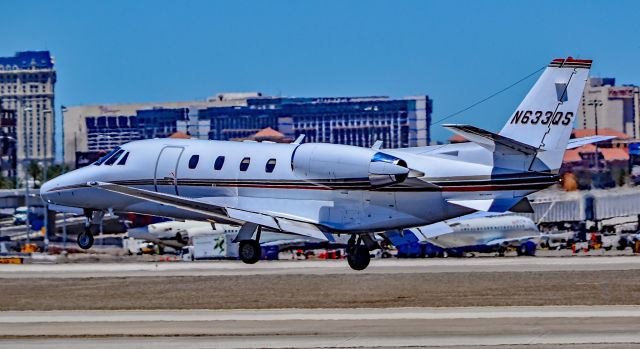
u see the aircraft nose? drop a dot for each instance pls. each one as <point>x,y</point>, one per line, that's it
<point>47,188</point>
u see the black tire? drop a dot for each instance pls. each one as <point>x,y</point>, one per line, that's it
<point>359,259</point>
<point>85,240</point>
<point>250,251</point>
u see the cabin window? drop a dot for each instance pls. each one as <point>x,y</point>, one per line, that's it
<point>112,160</point>
<point>124,159</point>
<point>219,163</point>
<point>193,162</point>
<point>107,156</point>
<point>244,164</point>
<point>271,164</point>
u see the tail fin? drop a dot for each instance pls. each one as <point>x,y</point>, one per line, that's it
<point>544,118</point>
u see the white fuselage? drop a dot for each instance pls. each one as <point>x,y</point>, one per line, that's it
<point>500,230</point>
<point>324,184</point>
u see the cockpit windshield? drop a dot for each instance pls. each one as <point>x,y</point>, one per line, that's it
<point>106,157</point>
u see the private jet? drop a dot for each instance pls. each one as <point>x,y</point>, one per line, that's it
<point>320,190</point>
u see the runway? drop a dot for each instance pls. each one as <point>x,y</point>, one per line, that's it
<point>487,327</point>
<point>577,302</point>
<point>325,267</point>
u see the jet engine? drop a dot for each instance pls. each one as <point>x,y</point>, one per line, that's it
<point>334,164</point>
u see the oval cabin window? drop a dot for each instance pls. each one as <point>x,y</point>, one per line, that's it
<point>244,165</point>
<point>271,165</point>
<point>193,162</point>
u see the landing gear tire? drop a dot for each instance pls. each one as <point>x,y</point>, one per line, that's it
<point>360,259</point>
<point>250,251</point>
<point>85,240</point>
<point>357,254</point>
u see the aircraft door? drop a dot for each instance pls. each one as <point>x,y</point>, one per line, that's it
<point>166,172</point>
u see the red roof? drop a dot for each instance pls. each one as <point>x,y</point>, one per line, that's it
<point>268,133</point>
<point>609,154</point>
<point>180,135</point>
<point>587,148</point>
<point>614,154</point>
<point>601,132</point>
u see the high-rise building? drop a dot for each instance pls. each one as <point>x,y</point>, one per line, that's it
<point>91,129</point>
<point>27,82</point>
<point>7,142</point>
<point>616,107</point>
<point>356,121</point>
<point>360,121</point>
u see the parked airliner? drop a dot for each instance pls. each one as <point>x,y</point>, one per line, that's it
<point>318,190</point>
<point>478,232</point>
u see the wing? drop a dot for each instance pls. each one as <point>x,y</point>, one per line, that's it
<point>223,209</point>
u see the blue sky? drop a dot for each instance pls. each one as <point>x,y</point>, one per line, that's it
<point>457,52</point>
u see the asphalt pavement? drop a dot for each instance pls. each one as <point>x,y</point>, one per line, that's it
<point>321,267</point>
<point>487,327</point>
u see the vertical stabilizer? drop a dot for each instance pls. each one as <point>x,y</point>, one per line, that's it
<point>544,118</point>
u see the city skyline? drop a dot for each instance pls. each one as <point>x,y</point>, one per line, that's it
<point>456,52</point>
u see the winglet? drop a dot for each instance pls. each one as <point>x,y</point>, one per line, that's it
<point>377,145</point>
<point>299,139</point>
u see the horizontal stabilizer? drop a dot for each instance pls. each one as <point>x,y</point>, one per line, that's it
<point>578,142</point>
<point>492,141</point>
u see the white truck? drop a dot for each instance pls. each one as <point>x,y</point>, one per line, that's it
<point>211,246</point>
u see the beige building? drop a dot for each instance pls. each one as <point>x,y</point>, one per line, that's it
<point>27,82</point>
<point>616,107</point>
<point>95,128</point>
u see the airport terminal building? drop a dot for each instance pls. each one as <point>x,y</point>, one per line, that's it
<point>356,121</point>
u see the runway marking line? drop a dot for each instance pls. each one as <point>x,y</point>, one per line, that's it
<point>372,314</point>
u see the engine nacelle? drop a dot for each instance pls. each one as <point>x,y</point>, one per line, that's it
<point>337,165</point>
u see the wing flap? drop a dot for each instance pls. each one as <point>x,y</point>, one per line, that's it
<point>305,229</point>
<point>518,204</point>
<point>248,216</point>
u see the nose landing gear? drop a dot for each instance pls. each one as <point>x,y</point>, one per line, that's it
<point>85,239</point>
<point>94,219</point>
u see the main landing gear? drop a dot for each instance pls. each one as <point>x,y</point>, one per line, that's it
<point>250,251</point>
<point>358,248</point>
<point>92,223</point>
